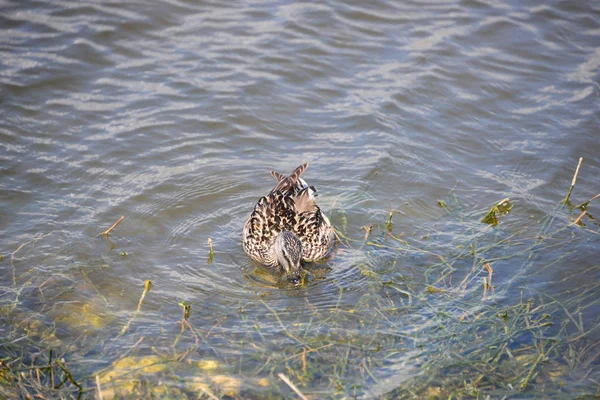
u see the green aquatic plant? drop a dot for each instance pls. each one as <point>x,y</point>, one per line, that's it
<point>211,251</point>
<point>186,308</point>
<point>501,208</point>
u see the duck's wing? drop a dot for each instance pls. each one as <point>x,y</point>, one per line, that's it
<point>272,214</point>
<point>312,226</point>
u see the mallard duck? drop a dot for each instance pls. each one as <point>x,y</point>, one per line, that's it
<point>287,226</point>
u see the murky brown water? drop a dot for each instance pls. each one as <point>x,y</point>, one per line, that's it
<point>172,113</point>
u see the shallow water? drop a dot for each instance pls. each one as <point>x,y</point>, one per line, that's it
<point>172,113</point>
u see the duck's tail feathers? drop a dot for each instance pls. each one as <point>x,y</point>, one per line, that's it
<point>289,181</point>
<point>278,176</point>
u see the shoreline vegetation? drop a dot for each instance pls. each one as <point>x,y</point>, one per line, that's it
<point>451,329</point>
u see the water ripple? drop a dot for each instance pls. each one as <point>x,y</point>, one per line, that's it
<point>172,113</point>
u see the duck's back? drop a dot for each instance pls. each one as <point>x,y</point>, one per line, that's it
<point>289,207</point>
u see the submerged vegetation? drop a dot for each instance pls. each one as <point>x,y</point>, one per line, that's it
<point>426,316</point>
<point>503,207</point>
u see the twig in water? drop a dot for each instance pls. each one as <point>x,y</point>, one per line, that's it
<point>304,361</point>
<point>337,236</point>
<point>208,393</point>
<point>147,287</point>
<point>38,376</point>
<point>12,255</point>
<point>68,375</point>
<point>578,220</point>
<point>211,251</point>
<point>292,386</point>
<point>490,272</point>
<point>368,230</point>
<point>584,205</point>
<point>185,322</point>
<point>566,200</point>
<point>50,369</point>
<point>136,344</point>
<point>485,289</point>
<point>91,283</point>
<point>308,351</point>
<point>285,330</point>
<point>98,388</point>
<point>487,283</point>
<point>23,389</point>
<point>364,363</point>
<point>113,226</point>
<point>215,325</point>
<point>530,374</point>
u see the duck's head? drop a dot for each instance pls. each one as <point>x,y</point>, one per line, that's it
<point>288,249</point>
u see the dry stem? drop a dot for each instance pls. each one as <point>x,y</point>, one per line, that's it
<point>584,205</point>
<point>113,226</point>
<point>368,230</point>
<point>304,361</point>
<point>566,200</point>
<point>98,388</point>
<point>576,222</point>
<point>12,255</point>
<point>292,386</point>
<point>147,287</point>
<point>490,272</point>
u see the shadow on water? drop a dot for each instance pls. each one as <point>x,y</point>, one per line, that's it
<point>459,309</point>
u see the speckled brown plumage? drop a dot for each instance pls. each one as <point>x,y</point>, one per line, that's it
<point>290,206</point>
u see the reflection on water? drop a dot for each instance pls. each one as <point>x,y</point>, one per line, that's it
<point>172,114</point>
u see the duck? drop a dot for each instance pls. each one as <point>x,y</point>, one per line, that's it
<point>287,227</point>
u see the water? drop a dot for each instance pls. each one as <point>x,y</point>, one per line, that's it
<point>172,113</point>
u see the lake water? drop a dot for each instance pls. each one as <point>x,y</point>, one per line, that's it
<point>171,114</point>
